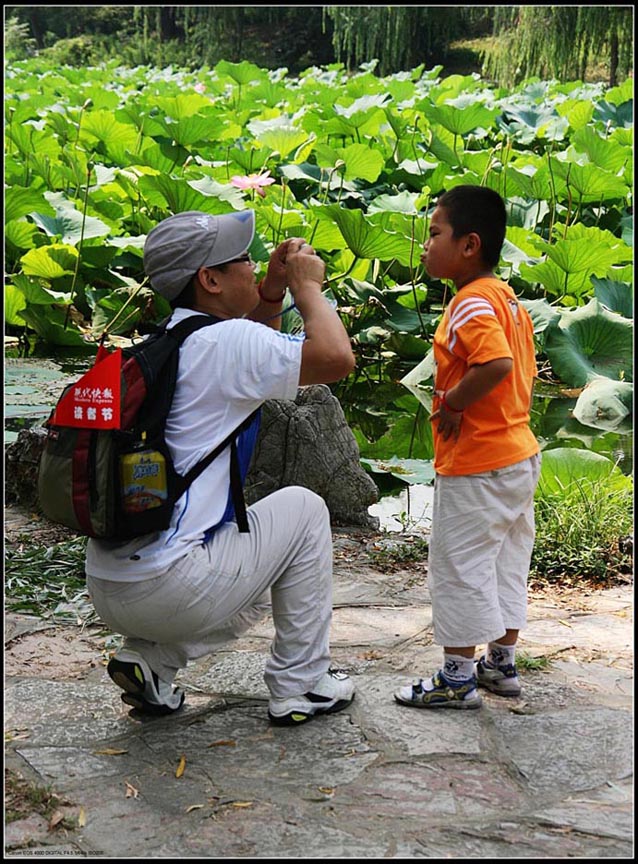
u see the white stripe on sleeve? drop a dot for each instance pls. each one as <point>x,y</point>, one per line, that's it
<point>464,312</point>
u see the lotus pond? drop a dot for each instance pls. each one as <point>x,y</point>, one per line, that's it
<point>32,386</point>
<point>353,163</point>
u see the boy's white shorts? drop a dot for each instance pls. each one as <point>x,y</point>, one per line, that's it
<point>480,550</point>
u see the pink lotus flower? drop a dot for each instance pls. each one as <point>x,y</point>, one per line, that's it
<point>199,87</point>
<point>253,181</point>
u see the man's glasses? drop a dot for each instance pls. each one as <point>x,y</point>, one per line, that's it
<point>243,259</point>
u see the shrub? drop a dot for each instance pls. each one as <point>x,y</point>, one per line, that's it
<point>78,51</point>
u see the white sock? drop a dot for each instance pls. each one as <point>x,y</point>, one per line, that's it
<point>500,655</point>
<point>457,668</point>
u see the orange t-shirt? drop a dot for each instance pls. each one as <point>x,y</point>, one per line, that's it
<point>484,322</point>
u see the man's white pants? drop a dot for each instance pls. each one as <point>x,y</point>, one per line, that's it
<point>220,589</point>
<point>479,554</point>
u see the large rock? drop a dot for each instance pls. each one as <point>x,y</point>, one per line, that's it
<point>305,442</point>
<point>309,443</point>
<point>21,463</point>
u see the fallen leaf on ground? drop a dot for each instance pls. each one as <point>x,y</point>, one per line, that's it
<point>81,818</point>
<point>223,744</point>
<point>241,803</point>
<point>194,807</point>
<point>266,735</point>
<point>371,655</point>
<point>181,767</point>
<point>55,819</point>
<point>16,734</point>
<point>131,791</point>
<point>524,708</point>
<point>109,751</point>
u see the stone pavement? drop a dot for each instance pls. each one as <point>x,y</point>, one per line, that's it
<point>547,775</point>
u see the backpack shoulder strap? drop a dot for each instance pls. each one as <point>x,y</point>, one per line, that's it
<point>189,325</point>
<point>180,331</point>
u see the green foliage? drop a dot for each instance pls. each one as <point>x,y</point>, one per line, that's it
<point>41,580</point>
<point>186,36</point>
<point>526,663</point>
<point>583,514</point>
<point>23,798</point>
<point>18,43</point>
<point>399,36</point>
<point>77,51</point>
<point>95,157</point>
<point>542,41</point>
<point>559,42</point>
<point>406,550</point>
<point>581,539</point>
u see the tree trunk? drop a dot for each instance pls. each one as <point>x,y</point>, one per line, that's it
<point>613,60</point>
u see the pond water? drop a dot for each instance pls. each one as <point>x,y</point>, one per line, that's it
<point>31,389</point>
<point>408,510</point>
<point>33,385</point>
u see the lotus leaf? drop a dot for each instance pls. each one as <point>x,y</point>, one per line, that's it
<point>604,404</point>
<point>604,152</point>
<point>241,73</point>
<point>361,162</point>
<point>183,106</point>
<point>13,302</point>
<point>19,236</point>
<point>49,323</point>
<point>615,296</point>
<point>411,471</point>
<point>103,126</point>
<point>69,224</point>
<point>568,470</point>
<point>367,240</point>
<point>590,341</point>
<point>50,262</point>
<point>590,182</point>
<point>281,138</point>
<point>20,201</point>
<point>541,313</point>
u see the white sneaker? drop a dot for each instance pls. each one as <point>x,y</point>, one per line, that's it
<point>333,692</point>
<point>143,689</point>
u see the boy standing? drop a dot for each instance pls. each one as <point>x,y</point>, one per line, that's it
<point>487,460</point>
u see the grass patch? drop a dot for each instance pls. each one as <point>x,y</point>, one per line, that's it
<point>583,536</point>
<point>22,798</point>
<point>527,663</point>
<point>406,551</point>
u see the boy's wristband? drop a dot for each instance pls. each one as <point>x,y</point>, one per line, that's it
<point>269,299</point>
<point>449,407</point>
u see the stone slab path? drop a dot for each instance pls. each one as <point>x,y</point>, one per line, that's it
<point>547,775</point>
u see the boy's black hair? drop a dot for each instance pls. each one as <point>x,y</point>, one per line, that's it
<point>479,210</point>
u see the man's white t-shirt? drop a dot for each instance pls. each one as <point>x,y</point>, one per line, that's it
<point>225,372</point>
